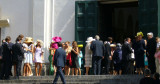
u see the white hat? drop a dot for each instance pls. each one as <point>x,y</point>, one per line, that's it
<point>90,39</point>
<point>150,34</point>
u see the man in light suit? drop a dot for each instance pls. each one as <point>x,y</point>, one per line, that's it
<point>60,61</point>
<point>97,48</point>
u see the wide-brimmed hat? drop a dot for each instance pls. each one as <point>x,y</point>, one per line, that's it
<point>80,45</point>
<point>90,39</point>
<point>28,40</point>
<point>39,41</point>
<point>57,39</point>
<point>140,34</point>
<point>112,45</point>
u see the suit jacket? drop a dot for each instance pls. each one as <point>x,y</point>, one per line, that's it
<point>60,57</point>
<point>107,50</point>
<point>6,54</point>
<point>151,46</point>
<point>126,51</point>
<point>18,52</point>
<point>97,48</point>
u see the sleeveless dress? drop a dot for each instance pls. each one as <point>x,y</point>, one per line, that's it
<point>75,63</point>
<point>88,56</point>
<point>51,69</point>
<point>68,56</point>
<point>37,57</point>
<point>28,55</point>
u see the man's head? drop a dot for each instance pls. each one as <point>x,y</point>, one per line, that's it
<point>150,35</point>
<point>59,44</point>
<point>97,37</point>
<point>8,39</point>
<point>128,40</point>
<point>110,39</point>
<point>156,76</point>
<point>3,41</point>
<point>147,72</point>
<point>19,39</point>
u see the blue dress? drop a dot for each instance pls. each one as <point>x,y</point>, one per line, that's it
<point>80,56</point>
<point>117,59</point>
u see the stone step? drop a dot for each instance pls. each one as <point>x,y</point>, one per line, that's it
<point>83,79</point>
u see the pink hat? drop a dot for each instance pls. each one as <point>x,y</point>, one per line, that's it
<point>57,39</point>
<point>54,45</point>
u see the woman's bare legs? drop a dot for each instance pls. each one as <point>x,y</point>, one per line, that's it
<point>40,68</point>
<point>36,64</point>
<point>87,70</point>
<point>72,71</point>
<point>24,69</point>
<point>76,71</point>
<point>79,71</point>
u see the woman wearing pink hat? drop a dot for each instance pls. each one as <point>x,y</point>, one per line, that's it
<point>53,48</point>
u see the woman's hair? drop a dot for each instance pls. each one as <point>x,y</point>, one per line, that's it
<point>21,36</point>
<point>74,43</point>
<point>68,42</point>
<point>38,45</point>
<point>18,39</point>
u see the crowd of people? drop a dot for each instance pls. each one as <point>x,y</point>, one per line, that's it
<point>22,51</point>
<point>131,57</point>
<point>111,58</point>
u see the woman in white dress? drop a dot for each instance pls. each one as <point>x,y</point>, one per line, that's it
<point>38,57</point>
<point>88,55</point>
<point>28,61</point>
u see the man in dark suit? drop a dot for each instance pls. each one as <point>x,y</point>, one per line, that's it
<point>108,57</point>
<point>18,55</point>
<point>97,48</point>
<point>126,57</point>
<point>1,50</point>
<point>151,50</point>
<point>60,61</point>
<point>6,59</point>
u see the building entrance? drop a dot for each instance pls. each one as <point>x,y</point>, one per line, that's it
<point>118,20</point>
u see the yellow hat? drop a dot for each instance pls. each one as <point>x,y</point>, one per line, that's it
<point>80,45</point>
<point>139,34</point>
<point>28,40</point>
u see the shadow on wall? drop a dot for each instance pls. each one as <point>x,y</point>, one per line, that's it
<point>64,23</point>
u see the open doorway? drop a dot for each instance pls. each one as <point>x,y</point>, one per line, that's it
<point>118,20</point>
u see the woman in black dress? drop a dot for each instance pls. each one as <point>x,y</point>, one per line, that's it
<point>74,57</point>
<point>139,50</point>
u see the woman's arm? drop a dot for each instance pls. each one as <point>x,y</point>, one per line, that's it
<point>75,51</point>
<point>34,49</point>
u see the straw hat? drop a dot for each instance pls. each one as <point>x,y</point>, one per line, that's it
<point>39,41</point>
<point>80,45</point>
<point>28,40</point>
<point>90,39</point>
<point>112,45</point>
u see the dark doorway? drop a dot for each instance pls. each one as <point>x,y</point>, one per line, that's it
<point>118,20</point>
